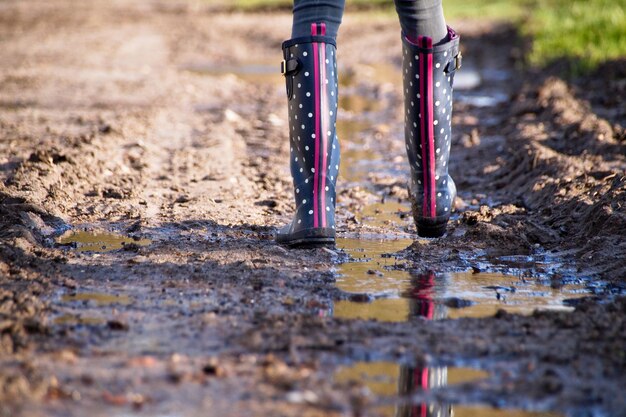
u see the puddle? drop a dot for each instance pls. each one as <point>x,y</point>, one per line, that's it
<point>356,172</point>
<point>254,72</point>
<point>388,294</point>
<point>100,299</point>
<point>473,411</point>
<point>389,379</point>
<point>466,79</point>
<point>368,273</point>
<point>385,378</point>
<point>481,100</point>
<point>385,214</point>
<point>449,410</point>
<point>88,241</point>
<point>360,156</point>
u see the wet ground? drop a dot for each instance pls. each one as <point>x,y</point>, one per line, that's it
<point>145,169</point>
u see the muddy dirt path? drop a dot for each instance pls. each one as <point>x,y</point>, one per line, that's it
<point>145,168</point>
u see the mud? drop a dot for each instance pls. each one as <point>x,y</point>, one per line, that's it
<point>155,131</point>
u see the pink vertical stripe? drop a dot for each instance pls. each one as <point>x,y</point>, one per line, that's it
<point>431,130</point>
<point>325,124</point>
<point>423,131</point>
<point>316,71</point>
<point>325,128</point>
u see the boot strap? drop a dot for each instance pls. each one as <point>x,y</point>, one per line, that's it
<point>289,66</point>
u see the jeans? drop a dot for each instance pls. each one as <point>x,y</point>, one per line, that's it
<point>417,17</point>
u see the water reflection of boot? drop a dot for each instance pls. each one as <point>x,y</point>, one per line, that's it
<point>428,73</point>
<point>310,71</point>
<point>415,379</point>
<point>423,294</point>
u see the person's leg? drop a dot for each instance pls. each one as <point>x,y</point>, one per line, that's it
<point>306,12</point>
<point>422,18</point>
<point>430,59</point>
<point>310,70</point>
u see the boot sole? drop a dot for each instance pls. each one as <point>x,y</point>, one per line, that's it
<point>311,243</point>
<point>432,228</point>
<point>308,238</point>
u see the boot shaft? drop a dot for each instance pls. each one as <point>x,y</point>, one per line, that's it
<point>310,71</point>
<point>428,76</point>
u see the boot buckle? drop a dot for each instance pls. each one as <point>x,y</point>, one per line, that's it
<point>455,64</point>
<point>458,61</point>
<point>289,66</point>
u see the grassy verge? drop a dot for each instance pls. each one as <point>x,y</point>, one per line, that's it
<point>584,32</point>
<point>587,32</point>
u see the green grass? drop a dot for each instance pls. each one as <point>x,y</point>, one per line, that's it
<point>583,32</point>
<point>247,5</point>
<point>510,10</point>
<point>588,32</point>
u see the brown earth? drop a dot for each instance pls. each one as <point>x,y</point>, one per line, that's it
<point>127,117</point>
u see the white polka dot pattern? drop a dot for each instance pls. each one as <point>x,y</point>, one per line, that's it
<point>428,74</point>
<point>314,145</point>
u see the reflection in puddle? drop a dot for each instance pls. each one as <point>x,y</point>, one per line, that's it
<point>389,379</point>
<point>419,298</point>
<point>99,298</point>
<point>98,242</point>
<point>399,295</point>
<point>368,275</point>
<point>384,214</point>
<point>473,411</point>
<point>384,378</point>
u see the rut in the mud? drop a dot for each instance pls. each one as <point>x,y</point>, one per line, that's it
<point>144,172</point>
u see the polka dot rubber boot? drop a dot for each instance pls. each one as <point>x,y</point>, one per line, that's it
<point>428,74</point>
<point>310,72</point>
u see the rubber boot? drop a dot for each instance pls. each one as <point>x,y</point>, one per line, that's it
<point>310,71</point>
<point>428,74</point>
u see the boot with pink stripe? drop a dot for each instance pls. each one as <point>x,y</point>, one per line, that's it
<point>428,73</point>
<point>310,71</point>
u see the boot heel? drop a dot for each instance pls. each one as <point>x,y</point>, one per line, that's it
<point>431,230</point>
<point>309,238</point>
